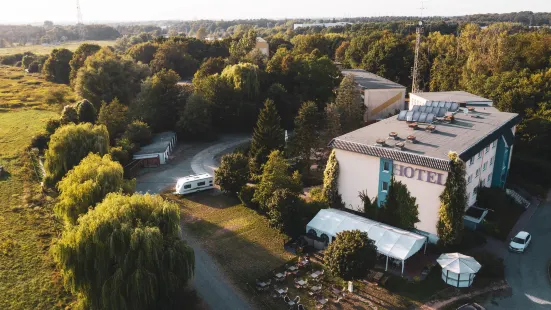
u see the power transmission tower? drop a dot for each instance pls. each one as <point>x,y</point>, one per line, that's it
<point>80,23</point>
<point>415,73</point>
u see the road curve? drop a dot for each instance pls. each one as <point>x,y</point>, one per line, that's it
<point>526,273</point>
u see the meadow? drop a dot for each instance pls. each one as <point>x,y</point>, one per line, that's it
<point>46,49</point>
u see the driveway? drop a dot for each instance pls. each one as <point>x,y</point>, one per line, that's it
<point>527,273</point>
<point>211,284</point>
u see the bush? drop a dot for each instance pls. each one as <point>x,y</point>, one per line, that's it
<point>34,67</point>
<point>504,211</point>
<point>119,154</point>
<point>233,173</point>
<point>492,266</point>
<point>86,112</point>
<point>138,132</point>
<point>10,60</point>
<point>351,255</point>
<point>52,125</point>
<point>56,96</point>
<point>246,195</point>
<point>316,193</point>
<point>40,141</point>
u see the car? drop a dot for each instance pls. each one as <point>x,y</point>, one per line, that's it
<point>520,242</point>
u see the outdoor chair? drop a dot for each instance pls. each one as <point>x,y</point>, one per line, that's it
<point>301,307</point>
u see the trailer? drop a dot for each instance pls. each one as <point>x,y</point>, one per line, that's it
<point>194,183</point>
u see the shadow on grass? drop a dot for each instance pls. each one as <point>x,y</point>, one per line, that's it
<point>4,175</point>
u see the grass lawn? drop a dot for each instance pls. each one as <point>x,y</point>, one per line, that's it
<point>40,49</point>
<point>28,277</point>
<point>237,237</point>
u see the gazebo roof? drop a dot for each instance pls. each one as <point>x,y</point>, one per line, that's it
<point>458,263</point>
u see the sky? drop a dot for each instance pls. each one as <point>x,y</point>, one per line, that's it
<point>64,11</point>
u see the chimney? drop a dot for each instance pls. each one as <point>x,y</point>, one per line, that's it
<point>393,135</point>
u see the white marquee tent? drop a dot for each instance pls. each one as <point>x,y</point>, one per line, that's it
<point>457,269</point>
<point>390,241</point>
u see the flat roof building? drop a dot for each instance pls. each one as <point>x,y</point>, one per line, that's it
<point>160,148</point>
<point>381,96</point>
<point>413,147</point>
<point>449,96</point>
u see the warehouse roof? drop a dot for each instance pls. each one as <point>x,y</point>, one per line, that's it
<point>454,96</point>
<point>369,80</point>
<point>159,143</point>
<point>467,135</point>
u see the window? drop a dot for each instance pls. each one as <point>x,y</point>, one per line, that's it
<point>386,166</point>
<point>474,193</point>
<point>201,183</point>
<point>489,178</point>
<point>487,149</point>
<point>480,155</point>
<point>492,160</point>
<point>187,186</point>
<point>485,166</point>
<point>385,186</point>
<point>470,179</point>
<point>471,162</point>
<point>477,172</point>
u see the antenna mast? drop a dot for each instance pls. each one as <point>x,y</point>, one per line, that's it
<point>80,23</point>
<point>415,74</point>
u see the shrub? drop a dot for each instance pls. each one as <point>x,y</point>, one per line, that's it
<point>56,96</point>
<point>351,255</point>
<point>492,266</point>
<point>40,141</point>
<point>34,67</point>
<point>246,195</point>
<point>316,194</point>
<point>10,60</point>
<point>69,115</point>
<point>233,173</point>
<point>138,132</point>
<point>119,154</point>
<point>52,125</point>
<point>283,211</point>
<point>86,112</point>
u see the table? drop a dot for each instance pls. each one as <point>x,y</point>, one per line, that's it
<point>292,268</point>
<point>323,301</point>
<point>301,282</point>
<point>279,275</point>
<point>281,291</point>
<point>315,275</point>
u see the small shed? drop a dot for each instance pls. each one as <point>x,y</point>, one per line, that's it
<point>390,241</point>
<point>457,269</point>
<point>160,148</point>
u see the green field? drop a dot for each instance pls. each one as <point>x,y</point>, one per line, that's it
<point>40,49</point>
<point>28,277</point>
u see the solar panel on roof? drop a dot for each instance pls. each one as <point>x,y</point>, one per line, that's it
<point>422,109</point>
<point>409,116</point>
<point>428,104</point>
<point>441,104</point>
<point>416,107</point>
<point>454,107</point>
<point>430,118</point>
<point>423,117</point>
<point>448,105</point>
<point>402,115</point>
<point>416,116</point>
<point>441,112</point>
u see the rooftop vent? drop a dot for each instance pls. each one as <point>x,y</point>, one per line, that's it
<point>381,142</point>
<point>470,109</point>
<point>430,128</point>
<point>393,135</point>
<point>476,116</point>
<point>399,145</point>
<point>412,125</point>
<point>411,138</point>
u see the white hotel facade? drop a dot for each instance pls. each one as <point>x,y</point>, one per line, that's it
<point>417,155</point>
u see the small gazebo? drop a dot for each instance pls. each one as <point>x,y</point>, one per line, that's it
<point>457,269</point>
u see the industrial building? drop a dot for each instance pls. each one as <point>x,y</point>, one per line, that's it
<point>157,152</point>
<point>381,97</point>
<point>262,46</point>
<point>413,147</point>
<point>324,25</point>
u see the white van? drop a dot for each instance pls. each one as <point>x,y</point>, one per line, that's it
<point>194,183</point>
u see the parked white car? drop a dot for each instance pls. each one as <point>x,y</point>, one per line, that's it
<point>520,242</point>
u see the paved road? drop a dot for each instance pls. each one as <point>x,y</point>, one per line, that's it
<point>210,282</point>
<point>527,273</point>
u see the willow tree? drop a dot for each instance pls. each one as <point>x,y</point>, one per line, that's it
<point>69,145</point>
<point>88,183</point>
<point>453,202</point>
<point>126,254</point>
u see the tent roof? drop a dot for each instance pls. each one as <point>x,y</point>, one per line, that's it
<point>458,263</point>
<point>390,241</point>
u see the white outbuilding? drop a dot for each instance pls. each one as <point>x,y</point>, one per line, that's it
<point>390,241</point>
<point>158,151</point>
<point>457,269</point>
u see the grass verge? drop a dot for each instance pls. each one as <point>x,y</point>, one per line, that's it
<point>46,49</point>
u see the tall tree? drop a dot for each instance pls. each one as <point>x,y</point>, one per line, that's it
<point>56,68</point>
<point>400,208</point>
<point>351,255</point>
<point>87,184</point>
<point>126,253</point>
<point>210,66</point>
<point>115,117</point>
<point>79,57</point>
<point>195,121</point>
<point>241,47</point>
<point>233,173</point>
<point>244,78</point>
<point>286,107</point>
<point>349,104</point>
<point>138,132</point>
<point>283,211</point>
<point>453,202</point>
<point>69,145</point>
<point>267,136</point>
<point>143,52</point>
<point>159,101</point>
<point>332,123</point>
<point>174,56</point>
<point>330,182</point>
<point>306,138</point>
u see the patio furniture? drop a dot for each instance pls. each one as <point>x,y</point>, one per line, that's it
<point>290,302</point>
<point>292,268</point>
<point>301,307</point>
<point>321,302</point>
<point>314,290</point>
<point>279,277</point>
<point>300,283</point>
<point>281,291</point>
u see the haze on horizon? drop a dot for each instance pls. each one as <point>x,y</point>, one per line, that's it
<point>64,11</point>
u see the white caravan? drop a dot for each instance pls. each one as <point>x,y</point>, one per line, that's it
<point>194,183</point>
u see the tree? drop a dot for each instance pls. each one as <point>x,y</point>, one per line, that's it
<point>400,208</point>
<point>307,133</point>
<point>56,68</point>
<point>349,105</point>
<point>34,67</point>
<point>244,78</point>
<point>86,112</point>
<point>332,123</point>
<point>106,76</point>
<point>330,182</point>
<point>69,145</point>
<point>241,47</point>
<point>27,60</point>
<point>340,52</point>
<point>174,56</point>
<point>138,132</point>
<point>201,33</point>
<point>209,67</point>
<point>195,121</point>
<point>69,115</point>
<point>115,117</point>
<point>370,207</point>
<point>351,255</point>
<point>275,175</point>
<point>159,101</point>
<point>267,135</point>
<point>283,211</point>
<point>286,107</point>
<point>87,184</point>
<point>453,202</point>
<point>233,173</point>
<point>143,52</point>
<point>79,57</point>
<point>126,254</point>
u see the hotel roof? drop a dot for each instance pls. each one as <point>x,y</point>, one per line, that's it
<point>159,143</point>
<point>369,80</point>
<point>454,96</point>
<point>467,135</point>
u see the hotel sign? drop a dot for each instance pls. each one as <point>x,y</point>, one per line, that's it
<point>420,174</point>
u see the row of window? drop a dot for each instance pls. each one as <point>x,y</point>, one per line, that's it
<point>477,172</point>
<point>488,183</point>
<point>486,150</point>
